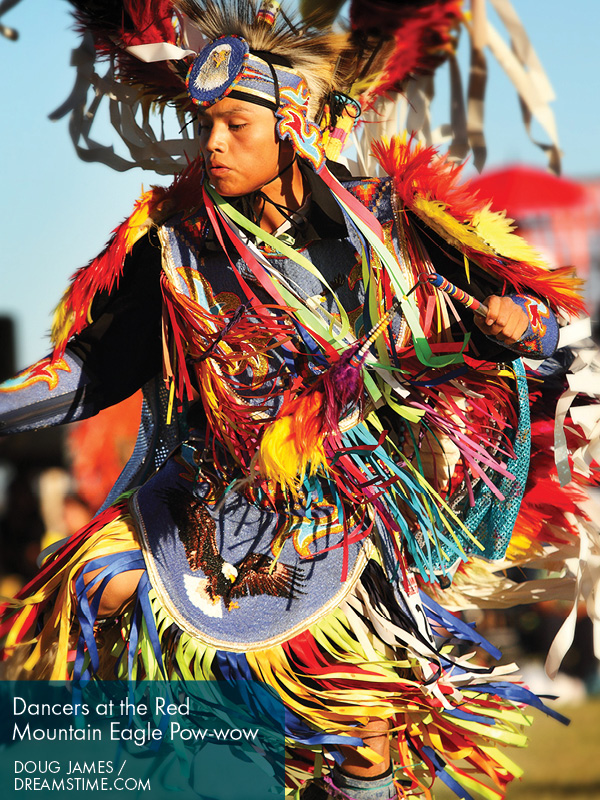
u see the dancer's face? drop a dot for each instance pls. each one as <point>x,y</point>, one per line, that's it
<point>240,146</point>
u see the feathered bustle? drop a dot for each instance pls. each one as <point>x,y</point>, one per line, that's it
<point>429,184</point>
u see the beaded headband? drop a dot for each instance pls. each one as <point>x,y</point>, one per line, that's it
<point>227,68</point>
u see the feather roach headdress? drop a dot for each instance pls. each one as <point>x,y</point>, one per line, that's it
<point>310,51</point>
<point>380,58</point>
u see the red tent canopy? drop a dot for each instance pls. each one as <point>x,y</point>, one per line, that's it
<point>523,190</point>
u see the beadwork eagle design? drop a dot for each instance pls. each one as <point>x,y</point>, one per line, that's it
<point>256,574</point>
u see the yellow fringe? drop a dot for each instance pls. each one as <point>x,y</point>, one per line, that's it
<point>118,536</point>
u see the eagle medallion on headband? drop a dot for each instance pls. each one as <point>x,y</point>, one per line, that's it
<point>227,67</point>
<point>217,69</point>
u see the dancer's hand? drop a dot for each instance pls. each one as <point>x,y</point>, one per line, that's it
<point>505,320</point>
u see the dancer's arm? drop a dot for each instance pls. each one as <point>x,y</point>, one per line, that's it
<point>107,362</point>
<point>520,324</point>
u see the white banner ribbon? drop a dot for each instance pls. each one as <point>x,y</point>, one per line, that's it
<point>159,51</point>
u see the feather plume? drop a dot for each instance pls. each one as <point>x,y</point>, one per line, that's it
<point>296,439</point>
<point>119,24</point>
<point>549,512</point>
<point>292,445</point>
<point>497,230</point>
<point>126,22</point>
<point>419,36</point>
<point>429,184</point>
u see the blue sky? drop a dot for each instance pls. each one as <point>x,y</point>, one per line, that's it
<point>58,211</point>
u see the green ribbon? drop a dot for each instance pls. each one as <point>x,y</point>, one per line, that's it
<point>241,221</point>
<point>316,322</point>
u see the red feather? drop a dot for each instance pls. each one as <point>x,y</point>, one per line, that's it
<point>117,26</point>
<point>422,172</point>
<point>130,22</point>
<point>422,33</point>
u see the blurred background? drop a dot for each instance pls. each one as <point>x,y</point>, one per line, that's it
<point>57,213</point>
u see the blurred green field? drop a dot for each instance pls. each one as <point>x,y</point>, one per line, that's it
<point>560,762</point>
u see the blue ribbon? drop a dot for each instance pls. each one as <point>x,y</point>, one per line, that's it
<point>462,630</point>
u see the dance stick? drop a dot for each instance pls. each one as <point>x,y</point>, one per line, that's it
<point>453,291</point>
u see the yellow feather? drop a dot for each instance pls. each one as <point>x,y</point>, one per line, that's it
<point>456,233</point>
<point>61,321</point>
<point>489,232</point>
<point>522,547</point>
<point>140,219</point>
<point>279,459</point>
<point>467,268</point>
<point>496,229</point>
